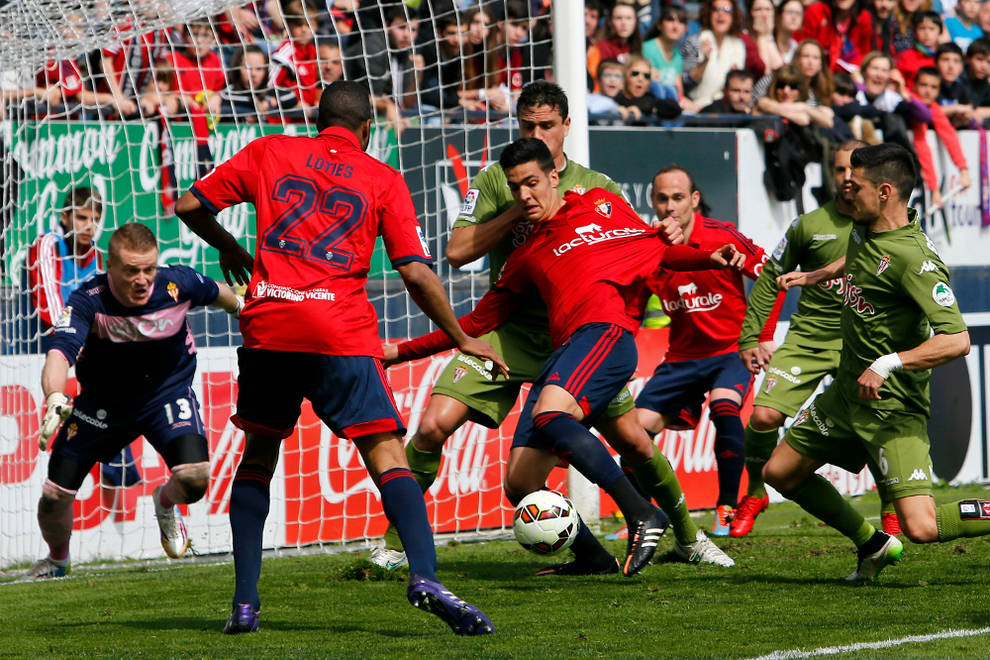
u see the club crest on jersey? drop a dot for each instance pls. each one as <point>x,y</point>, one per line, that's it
<point>769,384</point>
<point>459,372</point>
<point>604,207</point>
<point>883,265</point>
<point>173,291</point>
<point>65,318</point>
<point>943,295</point>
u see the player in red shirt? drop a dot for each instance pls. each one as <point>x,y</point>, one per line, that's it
<point>707,310</point>
<point>310,331</point>
<point>589,257</point>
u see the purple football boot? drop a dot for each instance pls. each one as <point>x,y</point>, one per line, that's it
<point>462,617</point>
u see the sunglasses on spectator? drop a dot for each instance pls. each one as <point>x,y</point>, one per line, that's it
<point>793,86</point>
<point>639,74</point>
<point>722,10</point>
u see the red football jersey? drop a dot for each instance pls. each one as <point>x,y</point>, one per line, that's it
<point>320,203</point>
<point>133,59</point>
<point>62,72</point>
<point>707,307</point>
<point>589,262</point>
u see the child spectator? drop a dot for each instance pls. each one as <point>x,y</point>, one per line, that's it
<point>788,97</point>
<point>953,94</point>
<point>295,58</point>
<point>636,94</point>
<point>127,67</point>
<point>520,60</point>
<point>443,76</point>
<point>760,27</point>
<point>162,92</point>
<point>927,26</point>
<point>904,36</point>
<point>844,28</point>
<point>858,115</point>
<point>977,70</point>
<point>661,48</point>
<point>790,18</point>
<point>737,95</point>
<point>622,37</point>
<point>198,70</point>
<point>716,50</point>
<point>481,64</point>
<point>610,79</point>
<point>926,86</point>
<point>962,27</point>
<point>248,97</point>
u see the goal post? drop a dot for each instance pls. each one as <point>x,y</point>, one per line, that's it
<point>105,96</point>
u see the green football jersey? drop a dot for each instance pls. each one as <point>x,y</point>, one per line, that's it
<point>896,293</point>
<point>812,241</point>
<point>489,196</point>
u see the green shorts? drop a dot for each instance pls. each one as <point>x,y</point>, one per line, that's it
<point>793,375</point>
<point>893,443</point>
<point>489,400</point>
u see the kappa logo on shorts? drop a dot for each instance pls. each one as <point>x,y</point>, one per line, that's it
<point>769,384</point>
<point>459,372</point>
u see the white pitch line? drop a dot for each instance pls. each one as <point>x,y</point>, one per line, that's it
<point>865,646</point>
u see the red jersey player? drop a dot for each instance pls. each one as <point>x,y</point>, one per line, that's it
<point>310,331</point>
<point>589,257</point>
<point>707,310</point>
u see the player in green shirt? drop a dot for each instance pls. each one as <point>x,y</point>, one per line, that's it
<point>811,350</point>
<point>899,320</point>
<point>490,223</point>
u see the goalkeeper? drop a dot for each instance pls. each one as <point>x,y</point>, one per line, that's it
<point>126,332</point>
<point>490,223</point>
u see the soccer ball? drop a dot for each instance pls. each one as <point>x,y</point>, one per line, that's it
<point>545,522</point>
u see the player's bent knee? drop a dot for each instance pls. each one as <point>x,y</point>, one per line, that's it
<point>766,419</point>
<point>54,498</point>
<point>431,434</point>
<point>194,478</point>
<point>920,531</point>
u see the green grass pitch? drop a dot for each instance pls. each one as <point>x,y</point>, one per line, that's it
<point>786,593</point>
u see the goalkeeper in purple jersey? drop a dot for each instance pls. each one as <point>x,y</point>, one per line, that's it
<point>127,335</point>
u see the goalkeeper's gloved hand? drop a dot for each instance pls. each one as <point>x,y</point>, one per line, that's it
<point>58,407</point>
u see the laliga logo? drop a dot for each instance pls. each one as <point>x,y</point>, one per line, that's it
<point>689,300</point>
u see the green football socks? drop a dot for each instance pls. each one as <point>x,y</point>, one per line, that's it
<point>965,518</point>
<point>758,445</point>
<point>820,498</point>
<point>657,478</point>
<point>424,465</point>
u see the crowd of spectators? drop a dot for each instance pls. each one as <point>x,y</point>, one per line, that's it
<point>840,68</point>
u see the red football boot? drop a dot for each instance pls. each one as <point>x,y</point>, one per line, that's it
<point>749,508</point>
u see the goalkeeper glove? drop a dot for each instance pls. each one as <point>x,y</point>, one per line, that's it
<point>240,305</point>
<point>58,407</point>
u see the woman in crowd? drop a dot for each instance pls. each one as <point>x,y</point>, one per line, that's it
<point>885,27</point>
<point>661,49</point>
<point>622,38</point>
<point>248,98</point>
<point>788,97</point>
<point>481,64</point>
<point>760,27</point>
<point>843,27</point>
<point>717,49</point>
<point>790,18</point>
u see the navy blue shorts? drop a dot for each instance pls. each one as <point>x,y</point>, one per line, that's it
<point>593,366</point>
<point>678,389</point>
<point>350,393</point>
<point>96,434</point>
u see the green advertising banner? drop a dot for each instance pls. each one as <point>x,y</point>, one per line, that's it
<point>123,160</point>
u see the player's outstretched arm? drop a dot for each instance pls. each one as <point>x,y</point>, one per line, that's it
<point>228,300</point>
<point>58,406</point>
<point>797,278</point>
<point>428,293</point>
<point>235,262</point>
<point>472,242</point>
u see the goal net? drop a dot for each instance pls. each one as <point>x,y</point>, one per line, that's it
<point>135,100</point>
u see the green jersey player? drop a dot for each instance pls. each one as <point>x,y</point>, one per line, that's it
<point>490,223</point>
<point>899,320</point>
<point>811,350</point>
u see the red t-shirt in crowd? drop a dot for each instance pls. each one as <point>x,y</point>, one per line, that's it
<point>707,307</point>
<point>320,203</point>
<point>296,67</point>
<point>194,76</point>
<point>136,57</point>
